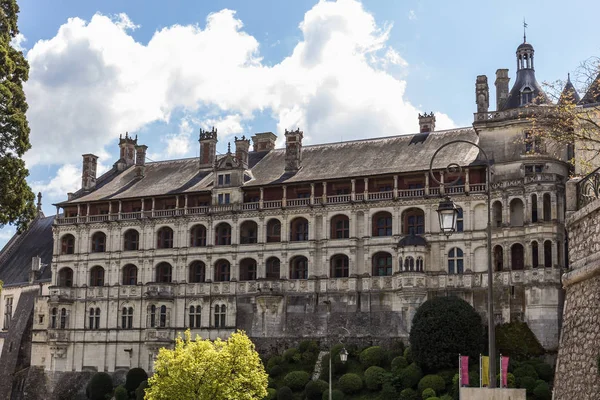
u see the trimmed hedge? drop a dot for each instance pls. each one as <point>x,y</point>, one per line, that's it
<point>276,370</point>
<point>135,376</point>
<point>285,393</point>
<point>296,380</point>
<point>545,372</point>
<point>526,370</point>
<point>372,356</point>
<point>271,394</point>
<point>335,395</point>
<point>408,394</point>
<point>314,389</point>
<point>527,383</point>
<point>434,382</point>
<point>291,355</point>
<point>100,385</point>
<point>140,392</point>
<point>121,393</point>
<point>427,393</point>
<point>350,383</point>
<point>516,340</point>
<point>408,354</point>
<point>308,345</point>
<point>273,361</point>
<point>410,376</point>
<point>374,377</point>
<point>399,363</point>
<point>542,391</point>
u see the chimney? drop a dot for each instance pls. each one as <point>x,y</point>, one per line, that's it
<point>482,94</point>
<point>39,204</point>
<point>127,145</point>
<point>140,160</point>
<point>293,150</point>
<point>264,141</point>
<point>501,83</point>
<point>88,174</point>
<point>242,146</point>
<point>427,122</point>
<point>69,196</point>
<point>208,147</point>
<point>36,266</point>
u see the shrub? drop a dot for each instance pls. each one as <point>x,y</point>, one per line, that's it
<point>526,370</point>
<point>511,381</point>
<point>135,376</point>
<point>314,389</point>
<point>140,392</point>
<point>276,370</point>
<point>289,354</point>
<point>545,372</point>
<point>335,395</point>
<point>372,356</point>
<point>434,382</point>
<point>338,366</point>
<point>399,363</point>
<point>408,354</point>
<point>447,375</point>
<point>350,383</point>
<point>433,398</point>
<point>542,391</point>
<point>443,328</point>
<point>271,394</point>
<point>396,349</point>
<point>408,394</point>
<point>296,380</point>
<point>100,385</point>
<point>271,383</point>
<point>527,383</point>
<point>410,376</point>
<point>446,397</point>
<point>374,378</point>
<point>516,340</point>
<point>273,361</point>
<point>285,393</point>
<point>308,345</point>
<point>427,393</point>
<point>388,392</point>
<point>121,393</point>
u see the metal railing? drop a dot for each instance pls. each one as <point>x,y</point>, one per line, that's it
<point>588,189</point>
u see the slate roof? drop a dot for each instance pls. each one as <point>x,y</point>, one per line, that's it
<point>395,154</point>
<point>15,258</point>
<point>525,78</point>
<point>592,96</point>
<point>412,240</point>
<point>569,94</point>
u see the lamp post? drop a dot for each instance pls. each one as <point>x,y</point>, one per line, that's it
<point>447,213</point>
<point>343,358</point>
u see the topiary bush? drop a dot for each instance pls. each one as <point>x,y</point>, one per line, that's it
<point>285,393</point>
<point>434,382</point>
<point>350,383</point>
<point>140,392</point>
<point>427,393</point>
<point>276,370</point>
<point>121,393</point>
<point>335,395</point>
<point>271,394</point>
<point>100,385</point>
<point>542,391</point>
<point>308,345</point>
<point>296,380</point>
<point>410,376</point>
<point>443,328</point>
<point>338,366</point>
<point>408,394</point>
<point>314,389</point>
<point>388,392</point>
<point>374,377</point>
<point>372,356</point>
<point>525,370</point>
<point>289,354</point>
<point>446,397</point>
<point>433,398</point>
<point>527,383</point>
<point>545,372</point>
<point>399,363</point>
<point>273,361</point>
<point>408,354</point>
<point>516,340</point>
<point>135,376</point>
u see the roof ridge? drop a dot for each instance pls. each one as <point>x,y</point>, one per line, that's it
<point>17,238</point>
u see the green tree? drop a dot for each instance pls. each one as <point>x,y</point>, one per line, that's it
<point>202,369</point>
<point>443,328</point>
<point>16,198</point>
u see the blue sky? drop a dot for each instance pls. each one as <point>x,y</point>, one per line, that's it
<point>338,70</point>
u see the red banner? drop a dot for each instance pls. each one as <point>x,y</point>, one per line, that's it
<point>504,369</point>
<point>464,371</point>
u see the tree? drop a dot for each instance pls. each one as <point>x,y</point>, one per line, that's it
<point>443,328</point>
<point>202,369</point>
<point>16,198</point>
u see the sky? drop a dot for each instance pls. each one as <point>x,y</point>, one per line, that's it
<point>338,70</point>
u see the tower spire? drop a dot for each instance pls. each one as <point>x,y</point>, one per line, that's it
<point>524,31</point>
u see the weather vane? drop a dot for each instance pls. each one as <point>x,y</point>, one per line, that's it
<point>524,32</point>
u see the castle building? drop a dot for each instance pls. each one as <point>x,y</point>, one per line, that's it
<point>295,242</point>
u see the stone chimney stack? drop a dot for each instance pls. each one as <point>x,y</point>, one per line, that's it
<point>127,145</point>
<point>208,148</point>
<point>242,147</point>
<point>293,150</point>
<point>427,122</point>
<point>264,141</point>
<point>482,94</point>
<point>88,174</point>
<point>140,160</point>
<point>36,266</point>
<point>501,83</point>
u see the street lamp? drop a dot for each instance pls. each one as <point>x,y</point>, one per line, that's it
<point>448,213</point>
<point>343,358</point>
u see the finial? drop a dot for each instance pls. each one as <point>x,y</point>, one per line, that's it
<point>39,203</point>
<point>229,147</point>
<point>524,31</point>
<point>568,77</point>
<point>126,135</point>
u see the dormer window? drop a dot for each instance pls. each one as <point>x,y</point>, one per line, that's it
<point>526,96</point>
<point>224,179</point>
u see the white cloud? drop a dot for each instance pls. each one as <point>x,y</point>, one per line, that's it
<point>411,15</point>
<point>93,81</point>
<point>17,42</point>
<point>67,179</point>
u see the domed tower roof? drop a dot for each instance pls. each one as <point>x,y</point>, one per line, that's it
<point>569,94</point>
<point>526,89</point>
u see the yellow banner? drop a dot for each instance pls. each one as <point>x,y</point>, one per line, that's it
<point>485,371</point>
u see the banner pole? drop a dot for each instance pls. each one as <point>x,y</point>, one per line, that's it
<point>480,371</point>
<point>459,374</point>
<point>500,386</point>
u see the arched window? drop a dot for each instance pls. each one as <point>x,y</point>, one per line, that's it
<point>273,268</point>
<point>222,271</point>
<point>65,277</point>
<point>97,276</point>
<point>152,313</point>
<point>198,236</point>
<point>413,221</point>
<point>163,316</point>
<point>197,272</point>
<point>535,260</point>
<point>220,312</point>
<point>534,208</point>
<point>419,264</point>
<point>67,244</point>
<point>164,272</point>
<point>340,227</point>
<point>382,264</point>
<point>526,96</point>
<point>382,224</point>
<point>498,258</point>
<point>98,242</point>
<point>516,212</point>
<point>127,318</point>
<point>409,264</point>
<point>248,231</point>
<point>53,318</point>
<point>94,317</point>
<point>131,240</point>
<point>299,230</point>
<point>195,312</point>
<point>247,269</point>
<point>547,207</point>
<point>547,254</point>
<point>164,238</point>
<point>517,257</point>
<point>63,318</point>
<point>455,261</point>
<point>223,234</point>
<point>299,268</point>
<point>497,214</point>
<point>130,275</point>
<point>273,231</point>
<point>340,266</point>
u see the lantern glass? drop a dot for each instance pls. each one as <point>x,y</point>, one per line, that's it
<point>447,213</point>
<point>344,355</point>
